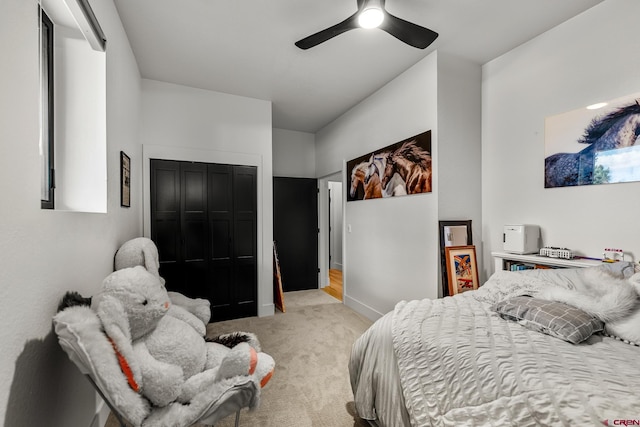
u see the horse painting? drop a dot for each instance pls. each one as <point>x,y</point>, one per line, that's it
<point>394,186</point>
<point>413,165</point>
<point>618,129</point>
<point>364,185</point>
<point>399,169</point>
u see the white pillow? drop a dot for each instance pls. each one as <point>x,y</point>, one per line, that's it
<point>628,328</point>
<point>572,278</point>
<point>566,278</point>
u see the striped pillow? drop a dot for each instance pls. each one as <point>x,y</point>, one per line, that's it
<point>550,317</point>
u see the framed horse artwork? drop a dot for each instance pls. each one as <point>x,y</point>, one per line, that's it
<point>399,169</point>
<point>599,144</point>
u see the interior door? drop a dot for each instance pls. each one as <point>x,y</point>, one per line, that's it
<point>295,231</point>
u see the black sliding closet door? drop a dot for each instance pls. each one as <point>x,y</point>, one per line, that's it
<point>204,222</point>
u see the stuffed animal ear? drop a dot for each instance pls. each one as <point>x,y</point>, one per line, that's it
<point>114,318</point>
<point>152,259</point>
<point>116,325</point>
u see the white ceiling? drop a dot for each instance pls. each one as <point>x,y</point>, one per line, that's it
<point>246,47</point>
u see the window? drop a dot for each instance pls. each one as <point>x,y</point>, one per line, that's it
<point>73,142</point>
<point>47,184</point>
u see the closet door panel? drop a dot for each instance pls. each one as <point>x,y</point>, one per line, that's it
<point>165,218</point>
<point>221,277</point>
<point>245,238</point>
<point>194,228</point>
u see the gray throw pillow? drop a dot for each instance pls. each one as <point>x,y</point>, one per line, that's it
<point>549,317</point>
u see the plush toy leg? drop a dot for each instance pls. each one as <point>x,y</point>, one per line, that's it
<point>215,355</point>
<point>244,360</point>
<point>241,360</point>
<point>264,368</point>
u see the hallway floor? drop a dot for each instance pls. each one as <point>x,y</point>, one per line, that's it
<point>335,284</point>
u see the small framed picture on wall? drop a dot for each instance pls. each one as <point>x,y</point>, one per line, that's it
<point>125,180</point>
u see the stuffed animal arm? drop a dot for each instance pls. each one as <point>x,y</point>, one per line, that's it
<point>199,307</point>
<point>181,313</point>
<point>160,389</point>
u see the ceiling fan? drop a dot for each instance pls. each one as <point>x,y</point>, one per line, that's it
<point>371,14</point>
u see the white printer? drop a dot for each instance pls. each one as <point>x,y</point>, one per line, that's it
<point>521,239</point>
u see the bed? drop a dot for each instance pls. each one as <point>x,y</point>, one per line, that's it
<point>471,360</point>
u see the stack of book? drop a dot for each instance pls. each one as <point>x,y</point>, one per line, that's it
<point>519,266</point>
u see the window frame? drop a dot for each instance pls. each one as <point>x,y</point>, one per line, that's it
<point>47,99</point>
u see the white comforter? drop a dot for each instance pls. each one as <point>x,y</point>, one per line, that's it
<point>460,364</point>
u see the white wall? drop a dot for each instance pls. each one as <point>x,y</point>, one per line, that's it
<point>188,124</point>
<point>294,154</point>
<point>590,58</point>
<point>391,252</point>
<point>46,253</point>
<point>80,120</point>
<point>459,169</point>
<point>335,220</point>
<point>323,223</point>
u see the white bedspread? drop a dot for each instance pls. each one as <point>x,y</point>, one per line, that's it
<point>460,364</point>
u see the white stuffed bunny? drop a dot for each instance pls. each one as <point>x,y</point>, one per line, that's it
<point>168,360</point>
<point>143,251</point>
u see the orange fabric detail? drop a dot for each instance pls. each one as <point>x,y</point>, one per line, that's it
<point>266,379</point>
<point>126,369</point>
<point>253,362</point>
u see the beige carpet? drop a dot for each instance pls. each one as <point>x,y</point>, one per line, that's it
<point>311,344</point>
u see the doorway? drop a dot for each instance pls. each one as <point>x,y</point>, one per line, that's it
<point>295,231</point>
<point>331,238</point>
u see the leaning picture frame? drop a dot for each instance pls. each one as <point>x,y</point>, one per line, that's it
<point>462,269</point>
<point>452,233</point>
<point>125,180</point>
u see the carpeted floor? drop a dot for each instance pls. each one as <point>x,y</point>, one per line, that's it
<point>311,344</point>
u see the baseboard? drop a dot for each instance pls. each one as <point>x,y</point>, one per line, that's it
<point>266,310</point>
<point>362,308</point>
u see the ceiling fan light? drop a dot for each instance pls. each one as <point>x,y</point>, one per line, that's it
<point>371,17</point>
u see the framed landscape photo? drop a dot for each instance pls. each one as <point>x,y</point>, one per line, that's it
<point>462,268</point>
<point>125,180</point>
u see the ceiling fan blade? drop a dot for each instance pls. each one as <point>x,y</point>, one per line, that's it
<point>408,32</point>
<point>322,36</point>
